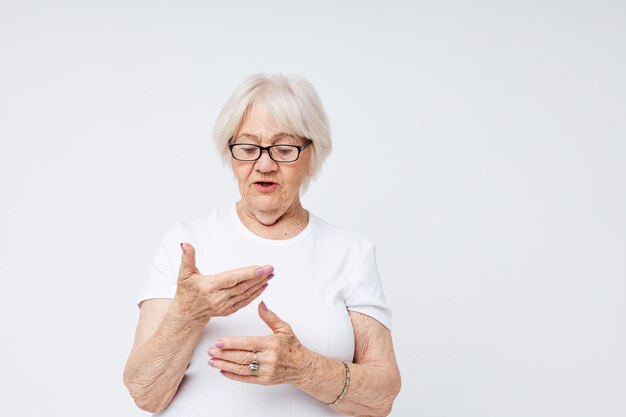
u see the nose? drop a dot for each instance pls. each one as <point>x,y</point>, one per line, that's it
<point>265,163</point>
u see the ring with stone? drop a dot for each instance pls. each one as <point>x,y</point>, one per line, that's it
<point>254,365</point>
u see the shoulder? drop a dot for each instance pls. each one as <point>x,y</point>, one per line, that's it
<point>340,238</point>
<point>212,217</point>
<point>185,229</point>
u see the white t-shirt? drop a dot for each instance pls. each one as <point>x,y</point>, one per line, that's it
<point>319,275</point>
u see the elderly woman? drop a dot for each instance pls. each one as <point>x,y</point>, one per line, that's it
<point>319,342</point>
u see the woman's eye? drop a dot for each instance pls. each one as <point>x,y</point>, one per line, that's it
<point>248,149</point>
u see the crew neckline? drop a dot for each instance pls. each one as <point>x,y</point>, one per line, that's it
<point>273,242</point>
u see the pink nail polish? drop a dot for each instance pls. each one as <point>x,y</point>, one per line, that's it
<point>264,286</point>
<point>263,306</point>
<point>211,362</point>
<point>270,277</point>
<point>219,344</point>
<point>270,269</point>
<point>260,272</point>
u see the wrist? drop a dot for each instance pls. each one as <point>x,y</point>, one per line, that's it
<point>346,385</point>
<point>325,378</point>
<point>181,314</point>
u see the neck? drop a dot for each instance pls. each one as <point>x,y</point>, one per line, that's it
<point>274,225</point>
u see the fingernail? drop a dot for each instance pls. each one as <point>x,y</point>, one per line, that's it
<point>260,271</point>
<point>181,246</point>
<point>264,286</point>
<point>211,352</point>
<point>211,362</point>
<point>219,344</point>
<point>270,269</point>
<point>223,372</point>
<point>263,306</point>
<point>270,277</point>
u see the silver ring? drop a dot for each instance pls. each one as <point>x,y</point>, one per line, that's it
<point>254,365</point>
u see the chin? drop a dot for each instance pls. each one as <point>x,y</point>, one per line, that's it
<point>265,203</point>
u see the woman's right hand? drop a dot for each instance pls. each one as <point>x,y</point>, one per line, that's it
<point>200,297</point>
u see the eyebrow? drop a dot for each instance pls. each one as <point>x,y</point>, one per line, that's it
<point>272,139</point>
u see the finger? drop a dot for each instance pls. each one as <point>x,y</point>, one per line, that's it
<point>251,293</point>
<point>250,343</point>
<point>247,300</point>
<point>249,379</point>
<point>242,357</point>
<point>187,261</point>
<point>249,286</point>
<point>235,368</point>
<point>238,306</point>
<point>272,320</point>
<point>234,277</point>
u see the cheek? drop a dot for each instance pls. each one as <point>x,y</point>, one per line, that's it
<point>242,172</point>
<point>295,177</point>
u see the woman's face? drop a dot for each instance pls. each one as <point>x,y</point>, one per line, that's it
<point>267,187</point>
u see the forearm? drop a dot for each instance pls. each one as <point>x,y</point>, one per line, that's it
<point>372,390</point>
<point>156,367</point>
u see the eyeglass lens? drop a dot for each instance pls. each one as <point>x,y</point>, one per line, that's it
<point>282,153</point>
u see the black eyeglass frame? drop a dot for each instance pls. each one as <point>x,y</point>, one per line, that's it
<point>267,148</point>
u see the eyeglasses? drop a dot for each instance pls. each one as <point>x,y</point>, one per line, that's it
<point>279,153</point>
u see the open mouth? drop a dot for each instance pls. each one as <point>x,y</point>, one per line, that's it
<point>265,186</point>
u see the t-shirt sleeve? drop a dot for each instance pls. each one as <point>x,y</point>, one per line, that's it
<point>163,273</point>
<point>366,291</point>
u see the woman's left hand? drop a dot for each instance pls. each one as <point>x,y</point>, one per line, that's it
<point>281,358</point>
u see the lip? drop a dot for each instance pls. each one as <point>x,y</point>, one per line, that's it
<point>265,186</point>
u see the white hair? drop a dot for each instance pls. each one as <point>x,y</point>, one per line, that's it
<point>294,105</point>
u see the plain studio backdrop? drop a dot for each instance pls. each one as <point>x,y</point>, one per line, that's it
<point>480,145</point>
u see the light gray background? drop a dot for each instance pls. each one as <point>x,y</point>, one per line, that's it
<point>480,145</point>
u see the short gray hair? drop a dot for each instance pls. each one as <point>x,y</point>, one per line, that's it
<point>295,106</point>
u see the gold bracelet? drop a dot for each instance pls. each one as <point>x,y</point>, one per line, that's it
<point>345,386</point>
